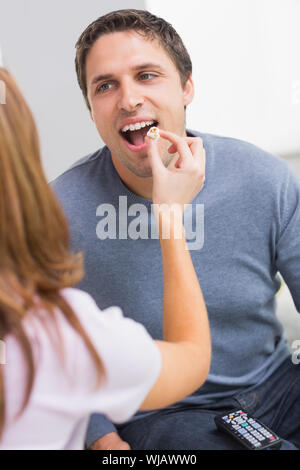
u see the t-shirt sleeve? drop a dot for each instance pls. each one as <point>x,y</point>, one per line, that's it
<point>288,244</point>
<point>130,357</point>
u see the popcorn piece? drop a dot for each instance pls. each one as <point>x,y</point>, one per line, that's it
<point>153,133</point>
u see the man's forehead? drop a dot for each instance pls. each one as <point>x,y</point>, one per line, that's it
<point>109,42</point>
<point>101,65</point>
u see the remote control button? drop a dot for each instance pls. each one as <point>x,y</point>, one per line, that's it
<point>256,425</point>
<point>242,431</point>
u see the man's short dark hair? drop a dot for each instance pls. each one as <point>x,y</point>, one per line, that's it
<point>144,23</point>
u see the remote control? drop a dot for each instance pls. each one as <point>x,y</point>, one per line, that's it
<point>249,431</point>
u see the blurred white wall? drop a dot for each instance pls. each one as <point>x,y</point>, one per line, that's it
<point>38,39</point>
<point>246,67</point>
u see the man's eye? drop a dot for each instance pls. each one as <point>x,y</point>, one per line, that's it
<point>147,74</point>
<point>103,87</point>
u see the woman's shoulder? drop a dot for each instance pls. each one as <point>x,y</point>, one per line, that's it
<point>108,322</point>
<point>85,306</point>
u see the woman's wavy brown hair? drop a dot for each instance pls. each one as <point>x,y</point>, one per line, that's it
<point>35,258</point>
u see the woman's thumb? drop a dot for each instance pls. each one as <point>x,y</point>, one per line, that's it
<point>154,155</point>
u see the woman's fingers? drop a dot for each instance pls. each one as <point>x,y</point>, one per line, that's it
<point>197,150</point>
<point>189,140</point>
<point>182,186</point>
<point>178,143</point>
<point>189,149</point>
<point>155,159</point>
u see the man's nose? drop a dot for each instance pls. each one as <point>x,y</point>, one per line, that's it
<point>130,97</point>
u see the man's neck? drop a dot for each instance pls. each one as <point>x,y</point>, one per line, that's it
<point>140,186</point>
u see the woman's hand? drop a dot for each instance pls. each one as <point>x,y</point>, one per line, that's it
<point>181,184</point>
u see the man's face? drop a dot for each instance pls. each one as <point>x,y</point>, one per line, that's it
<point>141,82</point>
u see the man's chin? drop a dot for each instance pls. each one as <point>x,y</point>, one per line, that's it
<point>139,164</point>
<point>142,171</point>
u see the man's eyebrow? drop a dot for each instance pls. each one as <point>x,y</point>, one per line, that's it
<point>108,76</point>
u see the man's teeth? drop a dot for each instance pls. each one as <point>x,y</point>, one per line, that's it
<point>137,126</point>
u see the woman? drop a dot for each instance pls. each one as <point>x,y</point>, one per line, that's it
<point>65,359</point>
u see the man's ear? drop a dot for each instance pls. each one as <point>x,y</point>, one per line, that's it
<point>188,91</point>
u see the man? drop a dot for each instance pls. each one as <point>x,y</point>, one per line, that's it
<point>244,228</point>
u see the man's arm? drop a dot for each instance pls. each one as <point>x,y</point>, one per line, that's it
<point>110,441</point>
<point>288,243</point>
<point>102,435</point>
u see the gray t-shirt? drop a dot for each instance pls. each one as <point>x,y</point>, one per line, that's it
<point>242,229</point>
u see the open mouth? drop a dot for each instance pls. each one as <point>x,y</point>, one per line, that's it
<point>137,137</point>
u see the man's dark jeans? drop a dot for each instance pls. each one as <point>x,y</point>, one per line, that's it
<point>276,403</point>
